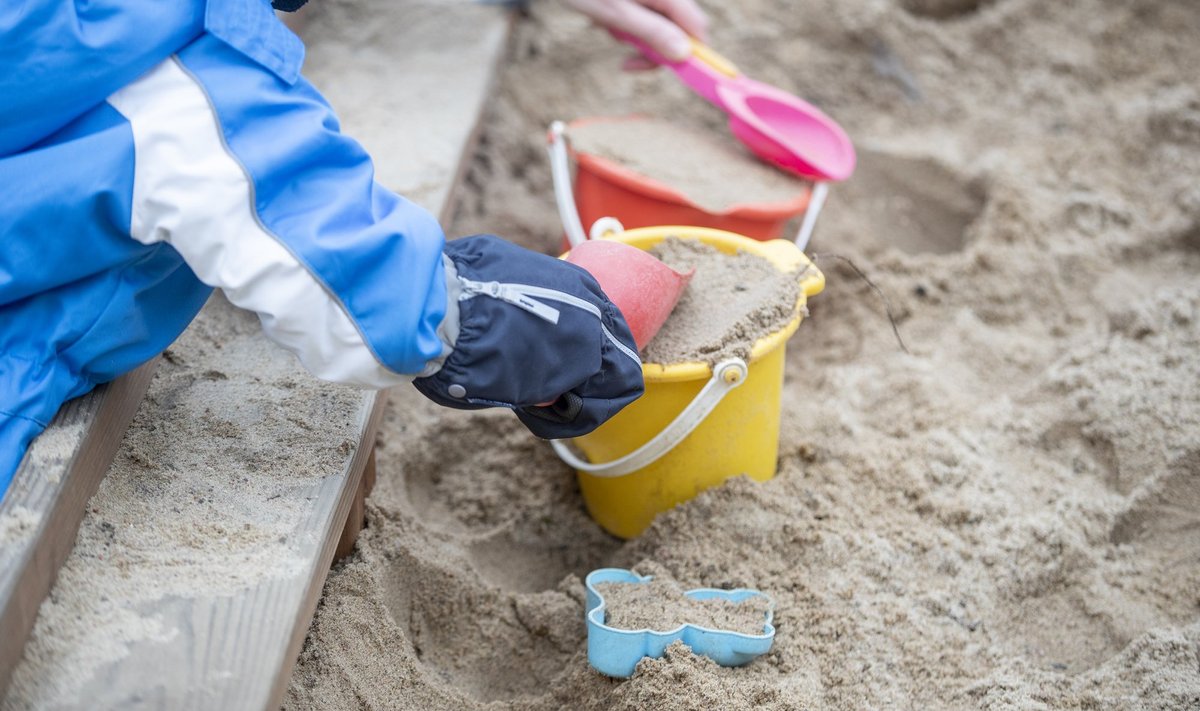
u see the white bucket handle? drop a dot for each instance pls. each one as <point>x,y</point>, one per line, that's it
<point>815,203</point>
<point>568,212</point>
<point>727,375</point>
<point>560,170</point>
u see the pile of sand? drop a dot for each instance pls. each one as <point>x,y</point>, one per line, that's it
<point>661,604</point>
<point>1006,518</point>
<point>731,301</point>
<point>710,169</point>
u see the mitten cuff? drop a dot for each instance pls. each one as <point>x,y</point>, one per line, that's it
<point>447,330</point>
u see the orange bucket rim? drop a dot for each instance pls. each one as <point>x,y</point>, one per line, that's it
<point>636,182</point>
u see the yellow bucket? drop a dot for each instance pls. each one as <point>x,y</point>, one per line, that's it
<point>695,426</point>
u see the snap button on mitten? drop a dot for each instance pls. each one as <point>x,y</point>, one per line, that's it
<point>457,390</point>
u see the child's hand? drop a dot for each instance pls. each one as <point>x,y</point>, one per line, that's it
<point>531,330</point>
<point>662,24</point>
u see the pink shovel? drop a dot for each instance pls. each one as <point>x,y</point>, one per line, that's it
<point>777,126</point>
<point>642,287</point>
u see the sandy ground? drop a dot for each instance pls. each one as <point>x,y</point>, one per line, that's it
<point>1007,517</point>
<point>172,521</point>
<point>1004,518</point>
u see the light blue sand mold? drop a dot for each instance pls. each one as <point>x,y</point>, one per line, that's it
<point>616,652</point>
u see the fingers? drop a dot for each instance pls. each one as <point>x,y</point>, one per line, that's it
<point>685,13</point>
<point>652,21</point>
<point>666,37</point>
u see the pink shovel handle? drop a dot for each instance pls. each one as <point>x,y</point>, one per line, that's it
<point>700,76</point>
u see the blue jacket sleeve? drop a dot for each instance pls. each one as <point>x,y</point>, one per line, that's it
<point>59,59</point>
<point>249,177</point>
<point>239,165</point>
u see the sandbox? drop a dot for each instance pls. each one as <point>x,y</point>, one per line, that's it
<point>1003,518</point>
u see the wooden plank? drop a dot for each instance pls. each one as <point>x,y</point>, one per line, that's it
<point>45,502</point>
<point>357,516</point>
<point>409,81</point>
<point>296,627</point>
<point>431,65</point>
<point>211,645</point>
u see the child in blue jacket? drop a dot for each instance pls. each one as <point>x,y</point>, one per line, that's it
<point>151,151</point>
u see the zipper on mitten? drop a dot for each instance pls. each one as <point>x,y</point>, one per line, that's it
<point>515,294</point>
<point>521,296</point>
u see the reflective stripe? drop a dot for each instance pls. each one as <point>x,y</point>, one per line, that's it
<point>632,354</point>
<point>190,192</point>
<point>378,255</point>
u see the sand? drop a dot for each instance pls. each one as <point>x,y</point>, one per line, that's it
<point>166,523</point>
<point>710,168</point>
<point>17,523</point>
<point>732,301</point>
<point>661,605</point>
<point>1003,518</point>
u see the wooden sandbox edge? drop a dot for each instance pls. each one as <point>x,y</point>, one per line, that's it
<point>57,492</point>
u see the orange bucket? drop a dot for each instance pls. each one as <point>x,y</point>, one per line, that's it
<point>604,188</point>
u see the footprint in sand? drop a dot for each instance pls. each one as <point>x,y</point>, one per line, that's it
<point>532,561</point>
<point>1085,453</point>
<point>492,497</point>
<point>1166,514</point>
<point>913,204</point>
<point>473,641</point>
<point>1075,625</point>
<point>1058,632</point>
<point>485,481</point>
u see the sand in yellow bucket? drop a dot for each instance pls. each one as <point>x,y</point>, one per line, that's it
<point>697,424</point>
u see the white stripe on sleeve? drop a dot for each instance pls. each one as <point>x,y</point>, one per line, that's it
<point>190,192</point>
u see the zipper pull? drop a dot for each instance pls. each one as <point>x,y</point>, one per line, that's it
<point>509,293</point>
<point>513,295</point>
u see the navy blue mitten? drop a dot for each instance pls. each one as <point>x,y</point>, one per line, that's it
<point>533,329</point>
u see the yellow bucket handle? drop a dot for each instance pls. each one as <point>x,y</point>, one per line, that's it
<point>727,375</point>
